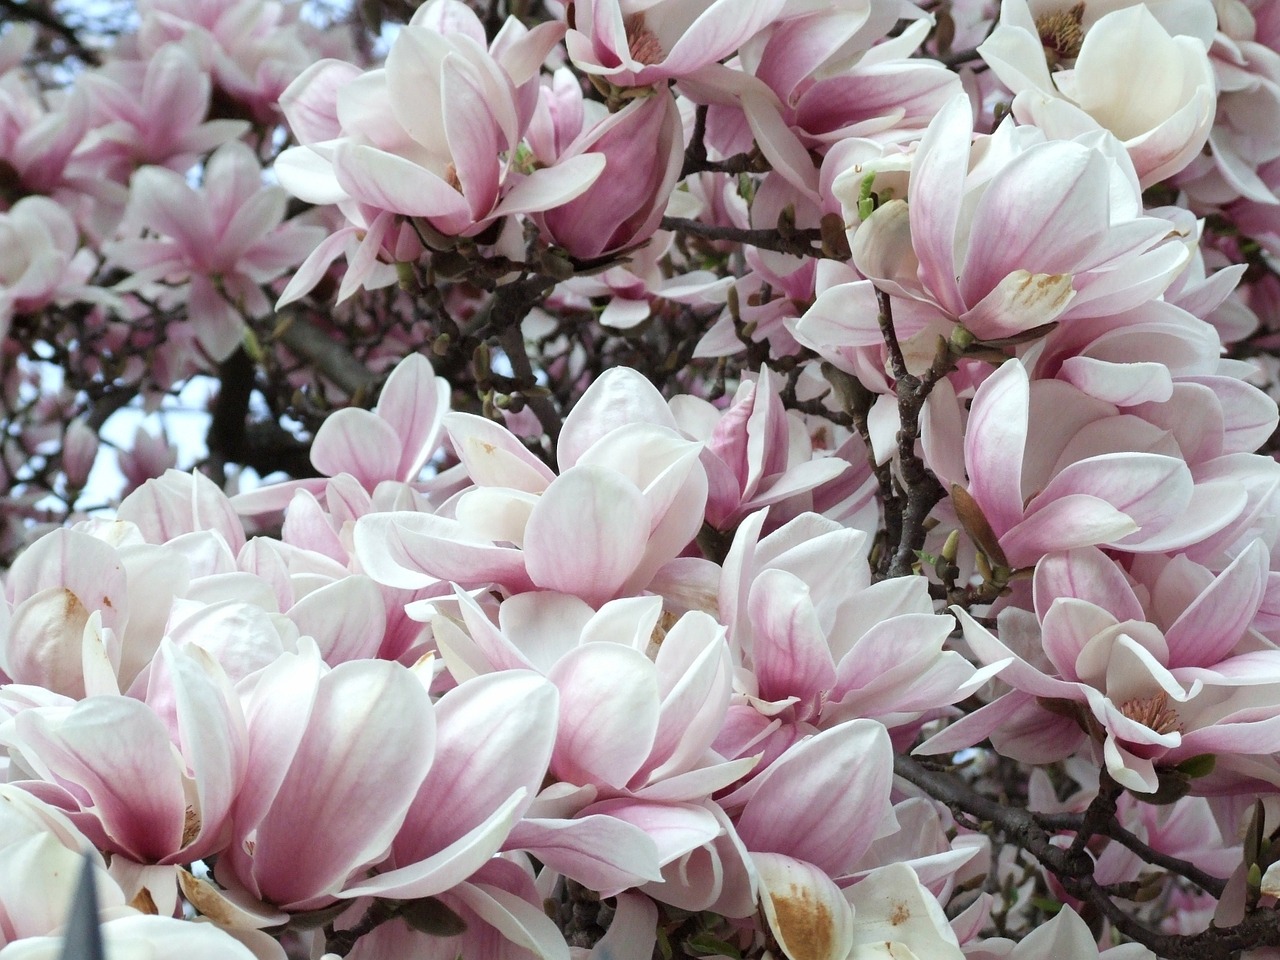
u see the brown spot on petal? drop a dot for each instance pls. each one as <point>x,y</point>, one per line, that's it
<point>805,926</point>
<point>900,913</point>
<point>642,43</point>
<point>143,902</point>
<point>73,611</point>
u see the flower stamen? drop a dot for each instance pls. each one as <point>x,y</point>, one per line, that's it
<point>1061,34</point>
<point>1153,713</point>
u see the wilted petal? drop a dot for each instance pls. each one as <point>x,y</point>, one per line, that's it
<point>806,912</point>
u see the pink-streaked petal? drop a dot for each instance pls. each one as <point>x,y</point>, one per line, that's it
<point>1087,574</point>
<point>345,618</point>
<point>517,920</point>
<point>550,187</point>
<point>357,442</point>
<point>1216,620</point>
<point>936,192</point>
<point>601,851</point>
<point>212,736</point>
<point>352,780</point>
<point>413,401</point>
<point>694,676</point>
<point>494,736</point>
<point>790,812</point>
<point>587,534</point>
<point>790,654</point>
<point>390,182</point>
<point>1068,626</point>
<point>608,713</point>
<point>1077,520</point>
<point>493,456</point>
<point>115,753</point>
<point>544,626</point>
<point>675,828</point>
<point>995,442</point>
<point>449,867</point>
<point>414,550</point>
<point>618,397</point>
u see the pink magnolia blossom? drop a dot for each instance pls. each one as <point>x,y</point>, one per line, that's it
<point>799,842</point>
<point>251,50</point>
<point>1075,240</point>
<point>642,695</point>
<point>152,782</point>
<point>817,644</point>
<point>1091,477</point>
<point>631,43</point>
<point>757,453</point>
<point>1149,697</point>
<point>437,133</point>
<point>629,498</point>
<point>323,744</point>
<point>1097,71</point>
<point>41,261</point>
<point>223,242</point>
<point>643,148</point>
<point>153,112</point>
<point>41,857</point>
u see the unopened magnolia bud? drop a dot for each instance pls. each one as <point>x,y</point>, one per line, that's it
<point>79,450</point>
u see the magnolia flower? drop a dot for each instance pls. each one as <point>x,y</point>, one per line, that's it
<point>153,113</point>
<point>42,855</point>
<point>1074,240</point>
<point>629,498</point>
<point>1106,61</point>
<point>152,782</point>
<point>1092,476</point>
<point>437,133</point>
<point>1150,697</point>
<point>634,43</point>
<point>223,241</point>
<point>643,147</point>
<point>41,261</point>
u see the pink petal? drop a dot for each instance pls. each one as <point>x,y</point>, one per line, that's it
<point>587,534</point>
<point>351,781</point>
<point>791,811</point>
<point>494,736</point>
<point>1214,623</point>
<point>790,655</point>
<point>609,712</point>
<point>357,442</point>
<point>994,444</point>
<point>413,401</point>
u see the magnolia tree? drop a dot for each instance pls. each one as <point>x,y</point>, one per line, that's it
<point>752,478</point>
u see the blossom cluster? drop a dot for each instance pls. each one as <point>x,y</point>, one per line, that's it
<point>753,478</point>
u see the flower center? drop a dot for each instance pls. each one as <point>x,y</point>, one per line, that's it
<point>1061,34</point>
<point>643,44</point>
<point>1153,713</point>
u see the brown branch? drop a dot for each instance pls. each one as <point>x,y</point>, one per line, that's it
<point>801,243</point>
<point>310,343</point>
<point>1074,869</point>
<point>45,19</point>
